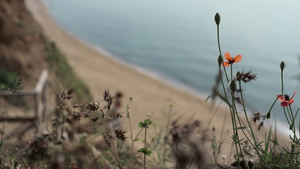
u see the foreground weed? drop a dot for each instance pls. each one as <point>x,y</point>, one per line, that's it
<point>232,95</point>
<point>147,152</point>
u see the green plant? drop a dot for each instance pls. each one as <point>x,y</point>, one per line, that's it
<point>65,74</point>
<point>268,150</point>
<point>8,80</point>
<point>145,150</point>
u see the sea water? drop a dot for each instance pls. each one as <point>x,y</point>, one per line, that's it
<point>177,41</point>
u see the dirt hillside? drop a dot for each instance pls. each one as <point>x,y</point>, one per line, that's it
<point>22,43</point>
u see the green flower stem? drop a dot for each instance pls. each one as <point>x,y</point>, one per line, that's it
<point>218,37</point>
<point>235,129</point>
<point>295,118</point>
<point>225,73</point>
<point>220,52</point>
<point>224,89</point>
<point>231,72</point>
<point>255,146</point>
<point>250,126</point>
<point>145,147</point>
<point>269,112</point>
<point>293,123</point>
<point>289,115</point>
<point>293,129</point>
<point>245,113</point>
<point>130,124</point>
<point>286,117</point>
<point>281,80</point>
<point>233,120</point>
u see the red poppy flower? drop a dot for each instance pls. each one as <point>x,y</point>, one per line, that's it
<point>285,99</point>
<point>231,60</point>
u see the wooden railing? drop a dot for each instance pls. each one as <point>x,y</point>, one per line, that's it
<point>40,98</point>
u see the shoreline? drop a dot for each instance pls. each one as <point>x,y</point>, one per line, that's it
<point>150,94</point>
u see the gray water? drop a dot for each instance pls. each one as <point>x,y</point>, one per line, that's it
<point>176,40</point>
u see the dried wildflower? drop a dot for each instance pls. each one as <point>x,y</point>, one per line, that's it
<point>70,120</point>
<point>258,117</point>
<point>94,119</point>
<point>285,99</point>
<point>120,134</point>
<point>231,60</point>
<point>196,124</point>
<point>76,116</point>
<point>261,124</point>
<point>245,77</point>
<point>16,85</point>
<point>70,91</point>
<point>63,95</point>
<point>108,139</point>
<point>120,115</point>
<point>93,106</point>
<point>238,99</point>
<point>108,98</point>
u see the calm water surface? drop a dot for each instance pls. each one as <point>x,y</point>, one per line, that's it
<point>177,40</point>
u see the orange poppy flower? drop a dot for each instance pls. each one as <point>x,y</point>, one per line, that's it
<point>231,60</point>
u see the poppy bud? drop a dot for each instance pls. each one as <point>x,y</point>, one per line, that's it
<point>268,115</point>
<point>217,18</point>
<point>232,86</point>
<point>282,65</point>
<point>220,60</point>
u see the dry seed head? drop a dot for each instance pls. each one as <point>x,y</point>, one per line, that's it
<point>70,91</point>
<point>120,134</point>
<point>238,76</point>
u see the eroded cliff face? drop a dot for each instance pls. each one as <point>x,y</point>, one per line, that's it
<point>22,42</point>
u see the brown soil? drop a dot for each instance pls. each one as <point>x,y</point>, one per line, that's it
<point>22,43</point>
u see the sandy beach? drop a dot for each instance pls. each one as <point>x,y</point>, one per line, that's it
<point>150,95</point>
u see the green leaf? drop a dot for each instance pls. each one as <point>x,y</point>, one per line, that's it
<point>145,151</point>
<point>145,124</point>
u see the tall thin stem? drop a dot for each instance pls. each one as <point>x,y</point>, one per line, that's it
<point>282,81</point>
<point>166,132</point>
<point>218,37</point>
<point>145,147</point>
<point>250,126</point>
<point>2,134</point>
